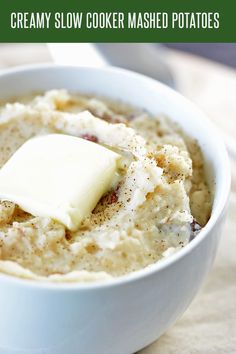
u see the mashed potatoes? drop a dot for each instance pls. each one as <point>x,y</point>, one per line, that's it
<point>159,204</point>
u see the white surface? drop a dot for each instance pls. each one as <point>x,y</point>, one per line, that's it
<point>18,54</point>
<point>144,58</point>
<point>212,87</point>
<point>128,314</point>
<point>47,180</point>
<point>83,54</point>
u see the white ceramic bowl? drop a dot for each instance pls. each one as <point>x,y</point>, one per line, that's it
<point>126,314</point>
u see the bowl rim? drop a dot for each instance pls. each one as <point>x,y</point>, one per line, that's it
<point>223,186</point>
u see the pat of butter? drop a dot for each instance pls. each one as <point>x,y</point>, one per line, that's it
<point>58,176</point>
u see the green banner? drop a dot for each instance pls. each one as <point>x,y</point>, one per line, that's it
<point>117,21</point>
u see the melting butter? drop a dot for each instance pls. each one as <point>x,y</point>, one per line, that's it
<point>59,176</point>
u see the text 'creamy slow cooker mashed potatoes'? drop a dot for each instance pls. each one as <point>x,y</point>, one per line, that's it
<point>157,205</point>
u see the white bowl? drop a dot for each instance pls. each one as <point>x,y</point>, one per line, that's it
<point>123,315</point>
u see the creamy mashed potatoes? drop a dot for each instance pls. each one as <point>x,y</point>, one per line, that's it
<point>159,204</point>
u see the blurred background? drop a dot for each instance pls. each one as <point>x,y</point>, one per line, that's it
<point>206,74</point>
<point>203,72</point>
<point>224,53</point>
